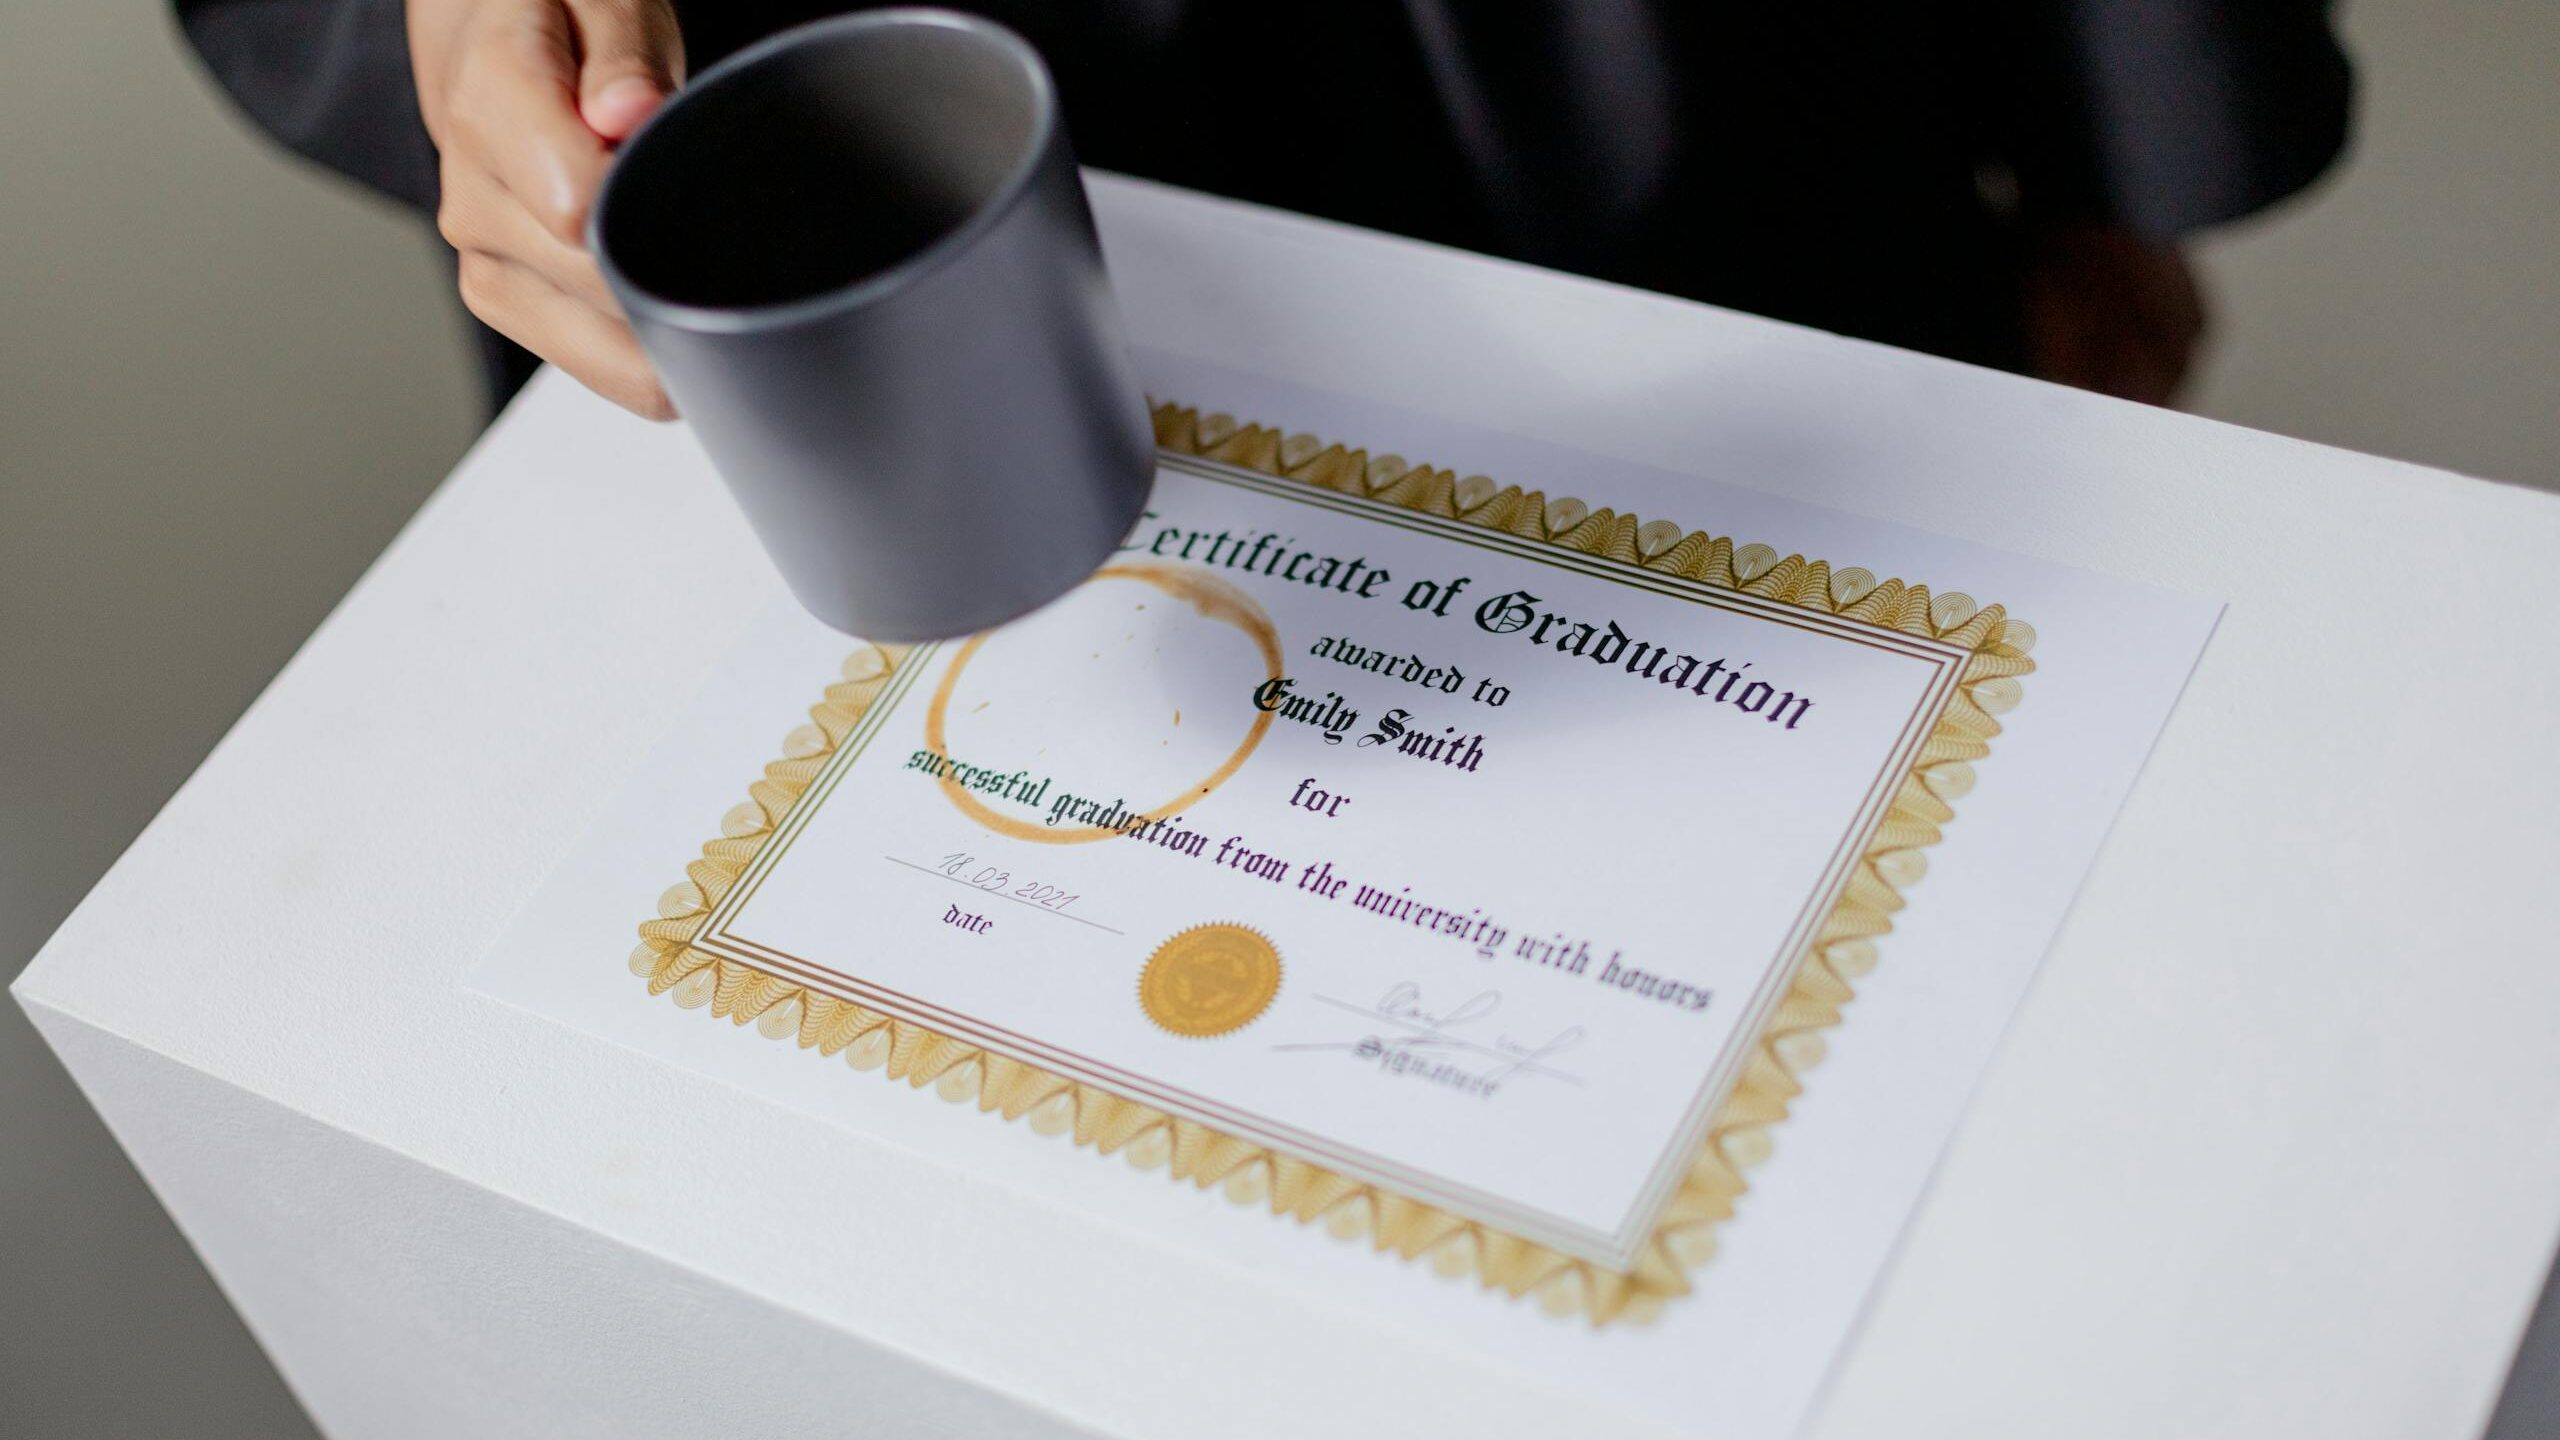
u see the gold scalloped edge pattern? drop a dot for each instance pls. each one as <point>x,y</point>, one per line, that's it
<point>1742,1134</point>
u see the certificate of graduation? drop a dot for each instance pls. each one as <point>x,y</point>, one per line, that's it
<point>1480,867</point>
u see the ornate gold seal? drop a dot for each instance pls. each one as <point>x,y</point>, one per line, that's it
<point>1209,980</point>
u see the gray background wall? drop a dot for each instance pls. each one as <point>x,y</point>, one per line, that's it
<point>224,382</point>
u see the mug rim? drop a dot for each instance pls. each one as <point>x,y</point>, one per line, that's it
<point>875,285</point>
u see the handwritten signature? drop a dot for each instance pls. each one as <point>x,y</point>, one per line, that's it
<point>1409,1027</point>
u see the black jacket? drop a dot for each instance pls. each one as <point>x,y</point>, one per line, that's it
<point>1858,165</point>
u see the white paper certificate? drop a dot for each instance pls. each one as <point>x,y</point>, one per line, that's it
<point>1515,848</point>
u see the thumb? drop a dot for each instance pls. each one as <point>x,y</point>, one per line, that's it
<point>630,57</point>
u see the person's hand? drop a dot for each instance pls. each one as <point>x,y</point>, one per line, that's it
<point>2109,311</point>
<point>525,100</point>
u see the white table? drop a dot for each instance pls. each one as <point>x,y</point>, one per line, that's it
<point>2273,1147</point>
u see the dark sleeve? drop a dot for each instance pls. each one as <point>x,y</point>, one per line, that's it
<point>2171,115</point>
<point>329,79</point>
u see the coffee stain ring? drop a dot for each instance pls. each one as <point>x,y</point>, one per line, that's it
<point>1209,595</point>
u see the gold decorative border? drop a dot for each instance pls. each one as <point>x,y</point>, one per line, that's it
<point>1740,1137</point>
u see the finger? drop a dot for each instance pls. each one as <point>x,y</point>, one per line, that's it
<point>595,348</point>
<point>2060,344</point>
<point>631,57</point>
<point>2167,329</point>
<point>477,214</point>
<point>2129,364</point>
<point>2154,373</point>
<point>515,115</point>
<point>2182,315</point>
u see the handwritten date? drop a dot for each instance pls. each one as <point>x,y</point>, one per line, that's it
<point>969,870</point>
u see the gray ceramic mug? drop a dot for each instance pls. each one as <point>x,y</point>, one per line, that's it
<point>859,255</point>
